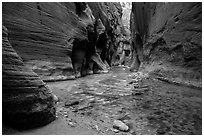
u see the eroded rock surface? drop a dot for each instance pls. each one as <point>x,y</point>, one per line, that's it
<point>62,41</point>
<point>52,41</point>
<point>171,37</point>
<point>26,100</point>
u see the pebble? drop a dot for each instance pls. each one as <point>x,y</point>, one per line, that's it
<point>71,124</point>
<point>133,132</point>
<point>97,127</point>
<point>69,119</point>
<point>115,130</point>
<point>55,98</point>
<point>120,125</point>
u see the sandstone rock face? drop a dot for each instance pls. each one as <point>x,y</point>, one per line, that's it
<point>43,35</point>
<point>172,36</point>
<point>110,14</point>
<point>26,100</point>
<point>52,41</point>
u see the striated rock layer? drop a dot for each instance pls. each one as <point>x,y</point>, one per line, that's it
<point>41,34</point>
<point>52,41</point>
<point>46,34</point>
<point>167,36</point>
<point>26,100</point>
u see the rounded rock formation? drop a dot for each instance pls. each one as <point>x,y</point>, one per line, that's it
<point>26,100</point>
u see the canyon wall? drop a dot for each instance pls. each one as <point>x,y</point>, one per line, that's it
<point>26,100</point>
<point>52,41</point>
<point>171,34</point>
<point>43,34</point>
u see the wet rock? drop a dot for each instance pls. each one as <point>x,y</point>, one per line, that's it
<point>89,72</point>
<point>71,124</point>
<point>117,124</point>
<point>69,103</point>
<point>74,110</point>
<point>66,116</point>
<point>100,71</point>
<point>133,132</point>
<point>55,98</point>
<point>69,119</point>
<point>96,126</point>
<point>115,130</point>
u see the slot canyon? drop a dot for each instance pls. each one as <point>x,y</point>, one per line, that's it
<point>101,68</point>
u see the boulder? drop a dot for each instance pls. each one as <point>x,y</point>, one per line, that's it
<point>120,125</point>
